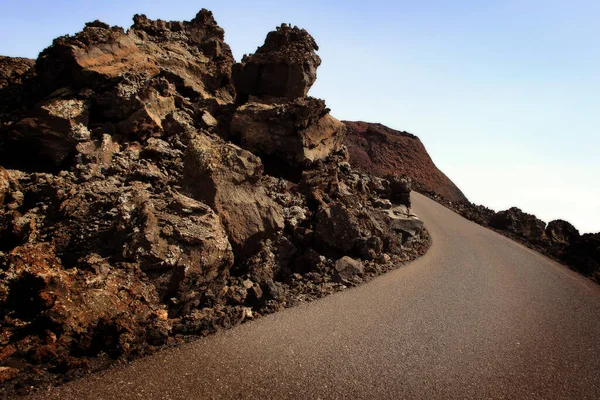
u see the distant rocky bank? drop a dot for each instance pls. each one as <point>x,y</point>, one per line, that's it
<point>153,190</point>
<point>557,239</point>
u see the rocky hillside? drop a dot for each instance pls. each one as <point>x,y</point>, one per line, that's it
<point>153,189</point>
<point>379,150</point>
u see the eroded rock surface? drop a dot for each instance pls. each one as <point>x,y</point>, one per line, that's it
<point>516,221</point>
<point>284,66</point>
<point>300,131</point>
<point>128,221</point>
<point>228,179</point>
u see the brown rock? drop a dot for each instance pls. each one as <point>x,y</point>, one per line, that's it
<point>300,132</point>
<point>284,66</point>
<point>516,221</point>
<point>228,179</point>
<point>192,54</point>
<point>92,58</point>
<point>561,231</point>
<point>152,110</point>
<point>73,303</point>
<point>347,267</point>
<point>183,239</point>
<point>57,125</point>
<point>8,373</point>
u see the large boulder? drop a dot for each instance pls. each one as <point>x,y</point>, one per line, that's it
<point>178,241</point>
<point>300,132</point>
<point>94,57</point>
<point>400,188</point>
<point>13,70</point>
<point>284,66</point>
<point>347,267</point>
<point>561,231</point>
<point>404,222</point>
<point>193,55</point>
<point>519,223</point>
<point>228,179</point>
<point>55,126</point>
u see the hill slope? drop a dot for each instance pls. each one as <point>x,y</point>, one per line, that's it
<point>380,150</point>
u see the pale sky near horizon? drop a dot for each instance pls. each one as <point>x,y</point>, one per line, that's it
<point>505,95</point>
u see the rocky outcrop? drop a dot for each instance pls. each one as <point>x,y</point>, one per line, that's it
<point>112,81</point>
<point>227,178</point>
<point>517,222</point>
<point>379,150</point>
<point>275,118</point>
<point>284,66</point>
<point>300,131</point>
<point>561,231</point>
<point>14,70</point>
<point>129,221</point>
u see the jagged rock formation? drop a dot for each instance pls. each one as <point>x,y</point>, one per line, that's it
<point>379,150</point>
<point>127,218</point>
<point>278,119</point>
<point>284,66</point>
<point>516,221</point>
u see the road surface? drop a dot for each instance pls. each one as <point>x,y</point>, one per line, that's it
<point>478,316</point>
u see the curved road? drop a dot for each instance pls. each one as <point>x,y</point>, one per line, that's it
<point>478,316</point>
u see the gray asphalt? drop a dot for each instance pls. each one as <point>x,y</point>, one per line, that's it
<point>478,316</point>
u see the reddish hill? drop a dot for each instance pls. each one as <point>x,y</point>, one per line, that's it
<point>380,150</point>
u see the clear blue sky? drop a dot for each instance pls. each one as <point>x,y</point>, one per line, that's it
<point>504,94</point>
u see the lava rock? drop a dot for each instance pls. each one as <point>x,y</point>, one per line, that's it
<point>561,231</point>
<point>228,179</point>
<point>516,221</point>
<point>300,132</point>
<point>284,66</point>
<point>347,267</point>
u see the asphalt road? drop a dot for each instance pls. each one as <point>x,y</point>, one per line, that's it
<point>478,316</point>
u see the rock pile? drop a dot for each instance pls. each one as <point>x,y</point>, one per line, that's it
<point>128,219</point>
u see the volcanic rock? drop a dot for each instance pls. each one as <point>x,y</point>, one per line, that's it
<point>57,125</point>
<point>86,307</point>
<point>516,221</point>
<point>584,255</point>
<point>347,267</point>
<point>284,66</point>
<point>400,187</point>
<point>126,218</point>
<point>228,178</point>
<point>13,70</point>
<point>561,231</point>
<point>300,132</point>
